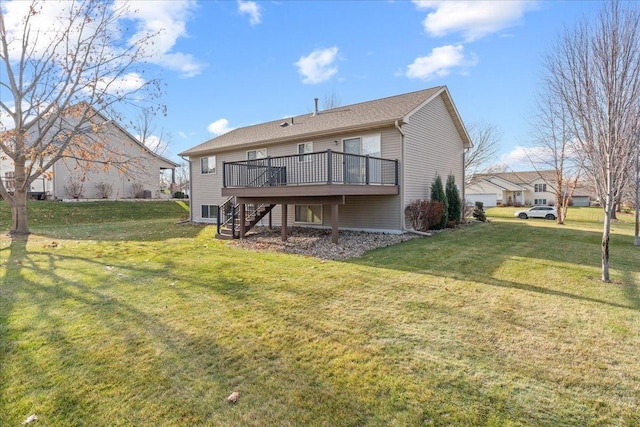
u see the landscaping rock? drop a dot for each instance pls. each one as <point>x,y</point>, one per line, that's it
<point>317,242</point>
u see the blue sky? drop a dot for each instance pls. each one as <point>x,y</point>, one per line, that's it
<point>230,63</point>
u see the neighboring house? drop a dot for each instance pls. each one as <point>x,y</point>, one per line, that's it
<point>142,178</point>
<point>582,196</point>
<point>512,188</point>
<point>353,167</point>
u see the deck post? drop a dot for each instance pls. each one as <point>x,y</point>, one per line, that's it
<point>334,223</point>
<point>284,222</point>
<point>329,167</point>
<point>242,223</point>
<point>397,175</point>
<point>367,159</point>
<point>224,176</point>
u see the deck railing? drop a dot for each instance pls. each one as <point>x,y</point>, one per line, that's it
<point>325,167</point>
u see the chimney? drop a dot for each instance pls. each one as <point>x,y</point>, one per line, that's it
<point>316,110</point>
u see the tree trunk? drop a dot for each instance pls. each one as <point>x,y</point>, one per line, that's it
<point>605,243</point>
<point>19,224</point>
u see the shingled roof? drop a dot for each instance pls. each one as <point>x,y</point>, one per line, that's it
<point>365,115</point>
<point>521,177</point>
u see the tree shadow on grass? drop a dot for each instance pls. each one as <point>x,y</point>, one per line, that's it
<point>451,255</point>
<point>51,367</point>
<point>83,354</point>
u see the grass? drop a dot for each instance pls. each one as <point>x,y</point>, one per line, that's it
<point>146,322</point>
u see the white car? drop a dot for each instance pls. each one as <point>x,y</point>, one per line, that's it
<point>546,212</point>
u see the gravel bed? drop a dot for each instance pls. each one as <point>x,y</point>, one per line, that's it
<point>317,242</point>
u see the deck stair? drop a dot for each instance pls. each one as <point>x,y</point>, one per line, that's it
<point>229,223</point>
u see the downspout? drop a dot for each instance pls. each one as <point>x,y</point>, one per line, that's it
<point>464,183</point>
<point>401,176</point>
<point>190,192</point>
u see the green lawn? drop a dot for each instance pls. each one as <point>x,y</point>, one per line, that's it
<point>142,321</point>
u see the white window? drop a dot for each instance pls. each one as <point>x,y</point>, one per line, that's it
<point>210,211</point>
<point>365,146</point>
<point>540,201</point>
<point>309,214</point>
<point>259,153</point>
<point>10,180</point>
<point>208,164</point>
<point>305,148</point>
<point>540,188</point>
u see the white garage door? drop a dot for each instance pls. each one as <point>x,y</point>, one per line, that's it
<point>488,199</point>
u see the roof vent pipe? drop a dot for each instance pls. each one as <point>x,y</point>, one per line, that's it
<point>316,110</point>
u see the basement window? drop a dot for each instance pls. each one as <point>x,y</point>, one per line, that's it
<point>308,214</point>
<point>210,212</point>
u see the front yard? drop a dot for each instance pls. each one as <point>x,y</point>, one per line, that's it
<point>127,318</point>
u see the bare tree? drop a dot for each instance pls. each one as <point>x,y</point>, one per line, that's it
<point>146,130</point>
<point>59,82</point>
<point>486,144</point>
<point>595,72</point>
<point>556,150</point>
<point>636,239</point>
<point>331,100</point>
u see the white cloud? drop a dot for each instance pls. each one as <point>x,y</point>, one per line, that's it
<point>167,19</point>
<point>318,66</point>
<point>219,127</point>
<point>252,9</point>
<point>473,19</point>
<point>154,143</point>
<point>120,85</point>
<point>523,158</point>
<point>440,62</point>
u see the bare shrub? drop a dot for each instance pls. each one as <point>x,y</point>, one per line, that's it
<point>105,189</point>
<point>137,190</point>
<point>74,188</point>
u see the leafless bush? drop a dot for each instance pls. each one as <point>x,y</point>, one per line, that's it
<point>137,190</point>
<point>74,188</point>
<point>105,189</point>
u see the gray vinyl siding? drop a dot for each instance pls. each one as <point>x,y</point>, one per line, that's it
<point>371,212</point>
<point>432,146</point>
<point>206,188</point>
<point>143,168</point>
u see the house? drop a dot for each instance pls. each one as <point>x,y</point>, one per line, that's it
<point>353,167</point>
<point>67,179</point>
<point>512,189</point>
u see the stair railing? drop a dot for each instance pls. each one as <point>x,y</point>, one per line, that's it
<point>228,211</point>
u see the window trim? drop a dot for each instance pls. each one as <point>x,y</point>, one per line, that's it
<point>266,154</point>
<point>208,216</point>
<point>304,156</point>
<point>543,202</point>
<point>540,188</point>
<point>215,165</point>
<point>295,212</point>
